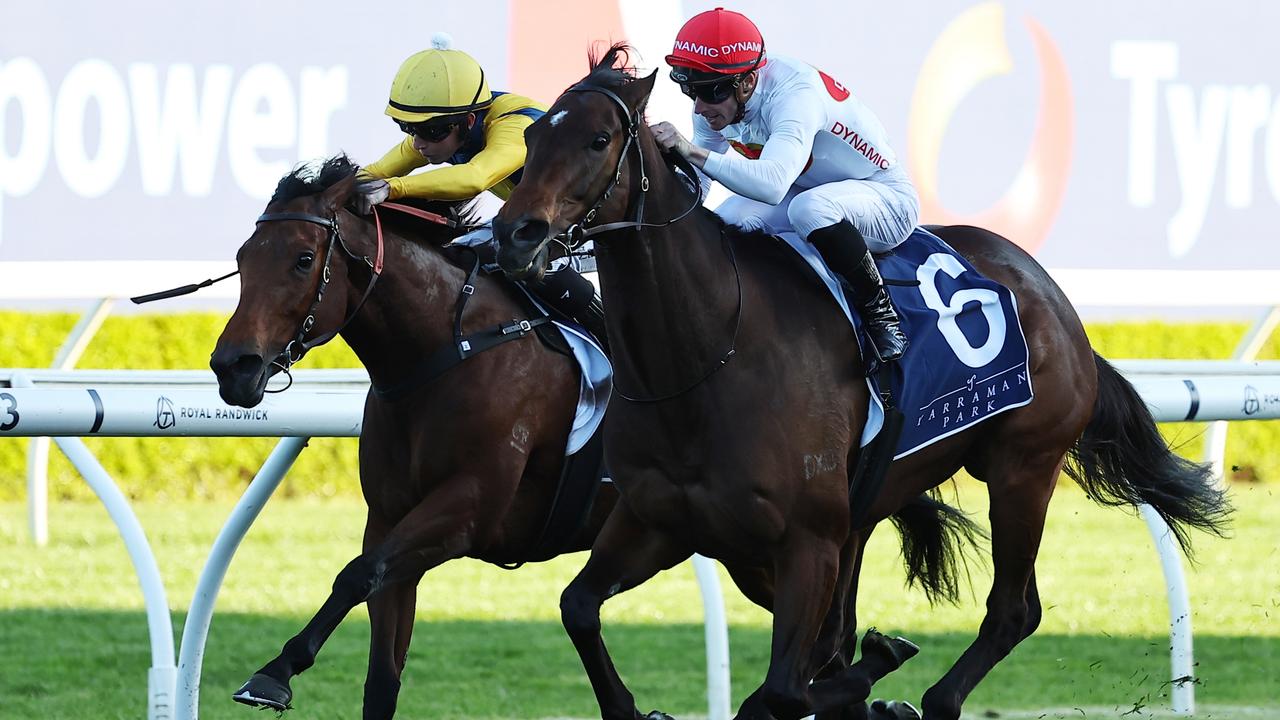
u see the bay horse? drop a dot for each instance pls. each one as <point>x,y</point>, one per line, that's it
<point>744,400</point>
<point>461,463</point>
<point>466,463</point>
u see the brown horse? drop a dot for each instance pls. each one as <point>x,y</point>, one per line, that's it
<point>747,400</point>
<point>449,465</point>
<point>464,462</point>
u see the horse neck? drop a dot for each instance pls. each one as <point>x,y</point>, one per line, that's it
<point>671,293</point>
<point>410,312</point>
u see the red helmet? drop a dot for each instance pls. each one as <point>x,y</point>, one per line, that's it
<point>718,41</point>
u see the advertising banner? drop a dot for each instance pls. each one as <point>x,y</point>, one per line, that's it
<point>1098,135</point>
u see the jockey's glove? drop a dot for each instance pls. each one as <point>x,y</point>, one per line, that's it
<point>368,194</point>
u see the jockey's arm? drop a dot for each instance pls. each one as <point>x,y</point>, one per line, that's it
<point>793,124</point>
<point>503,154</point>
<point>399,160</point>
<point>709,141</point>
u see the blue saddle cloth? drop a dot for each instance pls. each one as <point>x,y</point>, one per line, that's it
<point>967,361</point>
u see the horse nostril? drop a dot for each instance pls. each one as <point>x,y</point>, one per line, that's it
<point>241,366</point>
<point>247,364</point>
<point>530,231</point>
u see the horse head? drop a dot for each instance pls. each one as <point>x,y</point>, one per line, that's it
<point>573,173</point>
<point>305,272</point>
<point>285,267</point>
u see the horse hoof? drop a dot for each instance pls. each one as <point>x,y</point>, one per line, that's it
<point>264,691</point>
<point>657,715</point>
<point>892,710</point>
<point>895,650</point>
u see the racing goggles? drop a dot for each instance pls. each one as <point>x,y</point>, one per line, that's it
<point>710,88</point>
<point>427,131</point>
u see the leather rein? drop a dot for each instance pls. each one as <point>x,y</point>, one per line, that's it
<point>463,346</point>
<point>287,357</point>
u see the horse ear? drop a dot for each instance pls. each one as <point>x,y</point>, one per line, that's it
<point>336,195</point>
<point>637,91</point>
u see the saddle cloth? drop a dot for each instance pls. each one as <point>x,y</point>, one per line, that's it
<point>967,360</point>
<point>595,387</point>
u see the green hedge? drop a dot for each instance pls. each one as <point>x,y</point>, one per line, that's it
<point>201,468</point>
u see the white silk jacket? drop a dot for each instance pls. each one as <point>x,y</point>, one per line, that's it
<point>801,128</point>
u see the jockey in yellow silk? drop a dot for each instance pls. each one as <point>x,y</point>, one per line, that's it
<point>441,100</point>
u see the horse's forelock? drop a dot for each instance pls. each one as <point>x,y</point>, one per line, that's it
<point>336,169</point>
<point>306,179</point>
<point>611,69</point>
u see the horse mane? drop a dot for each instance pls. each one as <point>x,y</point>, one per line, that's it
<point>308,179</point>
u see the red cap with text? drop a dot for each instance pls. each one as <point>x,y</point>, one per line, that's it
<point>719,41</point>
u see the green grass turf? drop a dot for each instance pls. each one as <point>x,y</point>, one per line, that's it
<point>73,640</point>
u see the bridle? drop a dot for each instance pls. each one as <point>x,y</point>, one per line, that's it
<point>287,357</point>
<point>577,233</point>
<point>299,345</point>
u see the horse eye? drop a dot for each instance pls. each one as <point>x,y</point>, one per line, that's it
<point>600,142</point>
<point>305,260</point>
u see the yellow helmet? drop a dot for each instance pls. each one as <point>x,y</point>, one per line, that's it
<point>435,83</point>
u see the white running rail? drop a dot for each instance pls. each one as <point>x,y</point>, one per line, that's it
<point>68,405</point>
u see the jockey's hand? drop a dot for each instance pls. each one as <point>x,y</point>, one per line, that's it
<point>368,194</point>
<point>670,139</point>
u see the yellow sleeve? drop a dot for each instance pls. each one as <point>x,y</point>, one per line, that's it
<point>503,154</point>
<point>399,160</point>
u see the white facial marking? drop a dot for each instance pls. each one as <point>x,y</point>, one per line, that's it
<point>555,119</point>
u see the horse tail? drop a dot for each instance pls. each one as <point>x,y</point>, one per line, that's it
<point>1122,460</point>
<point>936,540</point>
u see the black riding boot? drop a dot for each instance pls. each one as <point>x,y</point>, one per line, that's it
<point>592,318</point>
<point>572,295</point>
<point>845,252</point>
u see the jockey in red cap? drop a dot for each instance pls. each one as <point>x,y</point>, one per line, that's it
<point>808,157</point>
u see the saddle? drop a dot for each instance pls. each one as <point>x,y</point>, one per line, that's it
<point>583,472</point>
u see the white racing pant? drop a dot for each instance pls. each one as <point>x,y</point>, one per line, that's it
<point>884,208</point>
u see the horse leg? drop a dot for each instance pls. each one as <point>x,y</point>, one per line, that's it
<point>837,642</point>
<point>839,631</point>
<point>436,530</point>
<point>391,614</point>
<point>805,569</point>
<point>842,624</point>
<point>755,583</point>
<point>842,689</point>
<point>626,554</point>
<point>846,614</point>
<point>1019,501</point>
